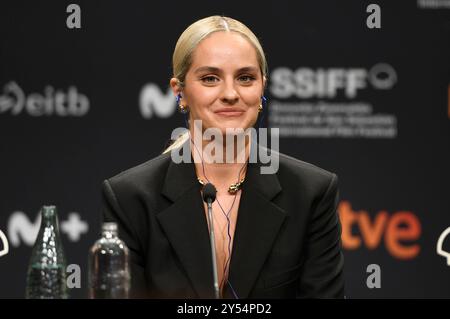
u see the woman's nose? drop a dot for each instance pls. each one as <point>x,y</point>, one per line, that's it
<point>229,94</point>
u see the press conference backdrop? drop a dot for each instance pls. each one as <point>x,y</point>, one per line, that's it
<point>78,105</point>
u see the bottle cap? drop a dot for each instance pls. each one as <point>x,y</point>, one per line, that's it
<point>109,227</point>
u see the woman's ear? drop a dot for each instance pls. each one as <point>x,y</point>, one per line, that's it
<point>264,82</point>
<point>175,85</point>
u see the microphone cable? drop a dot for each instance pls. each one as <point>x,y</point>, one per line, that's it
<point>227,216</point>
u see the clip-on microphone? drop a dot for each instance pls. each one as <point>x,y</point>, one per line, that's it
<point>209,196</point>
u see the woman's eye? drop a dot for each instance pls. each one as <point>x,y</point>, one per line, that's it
<point>209,79</point>
<point>246,78</point>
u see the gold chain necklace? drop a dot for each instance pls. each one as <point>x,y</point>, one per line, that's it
<point>233,187</point>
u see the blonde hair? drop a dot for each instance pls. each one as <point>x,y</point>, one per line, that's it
<point>189,40</point>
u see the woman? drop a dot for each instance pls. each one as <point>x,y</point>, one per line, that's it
<point>276,235</point>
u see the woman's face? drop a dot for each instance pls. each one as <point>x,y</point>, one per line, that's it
<point>224,85</point>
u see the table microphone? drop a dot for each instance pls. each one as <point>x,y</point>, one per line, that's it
<point>209,196</point>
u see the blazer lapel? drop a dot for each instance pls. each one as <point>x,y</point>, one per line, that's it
<point>185,225</point>
<point>259,221</point>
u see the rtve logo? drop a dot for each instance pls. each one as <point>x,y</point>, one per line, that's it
<point>327,83</point>
<point>52,102</point>
<point>400,231</point>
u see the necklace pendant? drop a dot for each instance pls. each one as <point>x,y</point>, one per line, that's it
<point>234,188</point>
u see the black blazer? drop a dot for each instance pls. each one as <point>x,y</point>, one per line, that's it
<point>287,242</point>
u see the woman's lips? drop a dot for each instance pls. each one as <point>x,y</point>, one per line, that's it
<point>229,113</point>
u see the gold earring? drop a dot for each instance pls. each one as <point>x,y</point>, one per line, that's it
<point>260,107</point>
<point>183,108</point>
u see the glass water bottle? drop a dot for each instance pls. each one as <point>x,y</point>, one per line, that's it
<point>109,275</point>
<point>46,277</point>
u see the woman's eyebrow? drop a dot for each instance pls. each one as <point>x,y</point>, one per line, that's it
<point>218,70</point>
<point>248,69</point>
<point>207,69</point>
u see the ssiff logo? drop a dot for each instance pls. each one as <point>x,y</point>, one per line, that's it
<point>306,83</point>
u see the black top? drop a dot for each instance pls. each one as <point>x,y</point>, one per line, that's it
<point>286,243</point>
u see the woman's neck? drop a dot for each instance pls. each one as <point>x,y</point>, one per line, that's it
<point>220,169</point>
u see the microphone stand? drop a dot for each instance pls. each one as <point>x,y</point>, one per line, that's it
<point>213,249</point>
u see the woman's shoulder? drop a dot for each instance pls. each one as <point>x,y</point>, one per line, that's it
<point>151,174</point>
<point>297,171</point>
<point>296,165</point>
<point>144,174</point>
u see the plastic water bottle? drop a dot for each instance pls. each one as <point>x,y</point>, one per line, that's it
<point>109,275</point>
<point>46,277</point>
